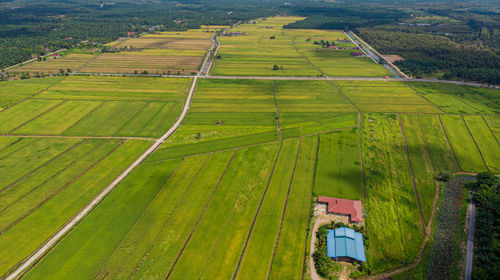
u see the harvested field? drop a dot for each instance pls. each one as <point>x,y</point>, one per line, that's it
<point>71,62</point>
<point>122,63</point>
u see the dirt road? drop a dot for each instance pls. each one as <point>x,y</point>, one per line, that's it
<point>470,238</point>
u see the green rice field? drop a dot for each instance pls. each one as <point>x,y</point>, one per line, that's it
<point>231,193</point>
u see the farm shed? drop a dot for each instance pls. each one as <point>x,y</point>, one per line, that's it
<point>345,243</point>
<point>357,54</point>
<point>351,208</point>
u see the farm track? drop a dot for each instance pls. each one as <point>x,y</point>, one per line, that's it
<point>284,209</point>
<point>201,214</point>
<point>59,190</point>
<point>235,274</point>
<point>305,57</point>
<point>41,166</point>
<point>412,173</point>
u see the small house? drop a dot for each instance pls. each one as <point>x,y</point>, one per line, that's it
<point>357,54</point>
<point>346,207</point>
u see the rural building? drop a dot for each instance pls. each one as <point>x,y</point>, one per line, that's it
<point>333,47</point>
<point>345,244</point>
<point>339,206</point>
<point>357,54</point>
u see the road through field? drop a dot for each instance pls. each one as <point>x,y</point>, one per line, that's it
<point>470,238</point>
<point>45,248</point>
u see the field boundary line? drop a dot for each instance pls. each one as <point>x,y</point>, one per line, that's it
<point>132,117</point>
<point>423,96</point>
<point>399,270</point>
<point>88,62</point>
<point>249,145</point>
<point>362,165</point>
<point>305,57</point>
<point>412,173</point>
<point>201,214</point>
<point>59,190</point>
<point>235,273</point>
<point>491,131</point>
<point>32,95</point>
<point>284,209</point>
<point>477,146</point>
<point>75,137</point>
<point>83,117</point>
<point>41,166</point>
<point>53,240</point>
<point>449,144</point>
<point>37,116</point>
<point>277,112</point>
<point>333,85</point>
<point>146,254</point>
<point>48,179</point>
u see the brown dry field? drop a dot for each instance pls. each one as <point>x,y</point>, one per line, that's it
<point>168,43</point>
<point>52,66</point>
<point>113,63</point>
<point>393,57</point>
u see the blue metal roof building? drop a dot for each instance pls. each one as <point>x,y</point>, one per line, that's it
<point>345,242</point>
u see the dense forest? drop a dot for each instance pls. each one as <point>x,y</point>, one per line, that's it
<point>487,240</point>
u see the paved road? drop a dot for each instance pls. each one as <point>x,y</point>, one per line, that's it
<point>470,238</point>
<point>45,248</point>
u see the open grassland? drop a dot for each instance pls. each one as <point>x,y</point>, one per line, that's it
<point>67,63</point>
<point>429,155</point>
<point>99,106</point>
<point>289,255</point>
<point>456,99</point>
<point>385,97</point>
<point>338,170</point>
<point>468,156</point>
<point>487,143</point>
<point>53,187</point>
<point>312,106</point>
<point>392,214</point>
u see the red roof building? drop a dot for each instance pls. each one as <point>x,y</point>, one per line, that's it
<point>352,208</point>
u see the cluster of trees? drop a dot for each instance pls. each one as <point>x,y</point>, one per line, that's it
<point>426,54</point>
<point>487,234</point>
<point>324,44</point>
